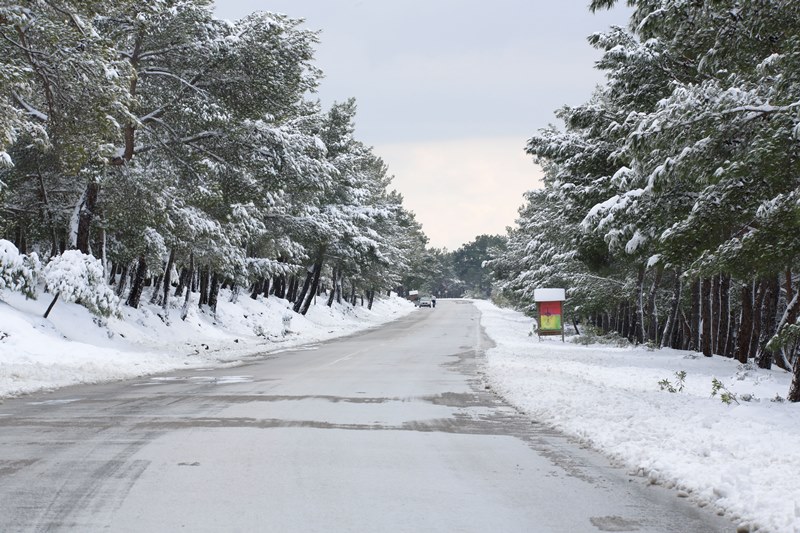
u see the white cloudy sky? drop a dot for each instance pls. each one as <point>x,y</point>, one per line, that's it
<point>448,91</point>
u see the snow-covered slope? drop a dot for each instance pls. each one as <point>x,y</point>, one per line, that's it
<point>72,346</point>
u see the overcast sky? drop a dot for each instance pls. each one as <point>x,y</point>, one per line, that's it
<point>448,92</point>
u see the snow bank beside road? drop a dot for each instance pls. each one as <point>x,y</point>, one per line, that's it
<point>70,347</point>
<point>742,458</point>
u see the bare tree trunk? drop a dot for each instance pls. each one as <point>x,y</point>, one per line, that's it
<point>156,290</point>
<point>48,216</point>
<point>168,283</point>
<point>651,311</point>
<point>123,279</point>
<point>204,275</point>
<point>794,391</point>
<point>50,307</point>
<point>791,310</point>
<point>183,281</point>
<point>705,299</point>
<point>672,317</point>
<point>639,331</point>
<point>280,286</point>
<point>724,315</point>
<point>298,304</point>
<point>86,214</point>
<point>695,317</point>
<point>715,312</point>
<point>626,320</point>
<point>189,276</point>
<point>686,334</point>
<point>758,313</point>
<point>317,271</point>
<point>370,298</point>
<point>258,286</point>
<point>213,292</point>
<point>745,323</point>
<point>768,322</point>
<point>266,287</point>
<point>138,283</point>
<point>332,293</point>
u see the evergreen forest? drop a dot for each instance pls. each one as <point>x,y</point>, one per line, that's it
<point>670,208</point>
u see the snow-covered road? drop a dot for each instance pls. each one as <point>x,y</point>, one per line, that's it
<point>388,430</point>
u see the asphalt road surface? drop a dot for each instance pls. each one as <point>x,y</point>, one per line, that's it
<point>388,430</point>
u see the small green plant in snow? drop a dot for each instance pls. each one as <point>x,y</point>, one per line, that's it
<point>680,381</point>
<point>725,395</point>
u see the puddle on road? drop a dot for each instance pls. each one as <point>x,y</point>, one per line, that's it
<point>56,402</point>
<point>211,380</point>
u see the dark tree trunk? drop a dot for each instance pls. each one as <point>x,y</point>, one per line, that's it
<point>626,320</point>
<point>745,323</point>
<point>50,307</point>
<point>138,283</point>
<point>639,319</point>
<point>672,317</point>
<point>317,271</point>
<point>768,322</point>
<point>651,311</point>
<point>695,317</point>
<point>332,293</point>
<point>266,287</point>
<point>189,278</point>
<point>85,216</point>
<point>156,289</point>
<point>705,305</point>
<point>686,332</point>
<point>183,281</point>
<point>258,286</point>
<point>794,391</point>
<point>370,298</point>
<point>791,318</point>
<point>280,287</point>
<point>715,313</point>
<point>204,275</point>
<point>758,315</point>
<point>213,292</point>
<point>724,315</point>
<point>298,304</point>
<point>792,307</point>
<point>123,279</point>
<point>168,279</point>
<point>47,213</point>
<point>112,276</point>
<point>290,293</point>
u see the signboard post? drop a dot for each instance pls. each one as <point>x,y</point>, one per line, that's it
<point>549,304</point>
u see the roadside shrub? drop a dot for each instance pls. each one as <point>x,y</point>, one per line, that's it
<point>18,272</point>
<point>79,278</point>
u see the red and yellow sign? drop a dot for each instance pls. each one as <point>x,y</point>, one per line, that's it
<point>549,316</point>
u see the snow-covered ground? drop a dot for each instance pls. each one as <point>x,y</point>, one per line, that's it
<point>742,458</point>
<point>72,347</point>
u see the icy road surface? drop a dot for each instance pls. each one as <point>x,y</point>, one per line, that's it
<point>389,430</point>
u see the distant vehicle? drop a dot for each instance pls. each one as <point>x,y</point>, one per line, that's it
<point>425,301</point>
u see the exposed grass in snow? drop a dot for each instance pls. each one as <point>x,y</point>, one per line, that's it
<point>743,458</point>
<point>72,346</point>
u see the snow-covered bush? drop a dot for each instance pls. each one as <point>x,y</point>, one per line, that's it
<point>79,278</point>
<point>18,272</point>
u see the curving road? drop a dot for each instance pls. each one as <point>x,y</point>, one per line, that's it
<point>389,430</point>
